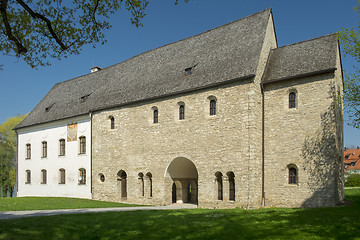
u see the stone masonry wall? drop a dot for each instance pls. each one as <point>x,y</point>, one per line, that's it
<point>304,137</point>
<point>217,143</point>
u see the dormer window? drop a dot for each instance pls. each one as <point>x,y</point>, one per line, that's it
<point>49,107</point>
<point>188,71</point>
<point>84,98</point>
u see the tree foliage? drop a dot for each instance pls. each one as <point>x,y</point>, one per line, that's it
<point>8,147</point>
<point>350,42</point>
<point>36,30</point>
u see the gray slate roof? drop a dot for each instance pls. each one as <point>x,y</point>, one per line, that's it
<point>223,54</point>
<point>301,59</point>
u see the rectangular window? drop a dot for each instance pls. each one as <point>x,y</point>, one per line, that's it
<point>28,151</point>
<point>28,177</point>
<point>82,177</point>
<point>62,147</point>
<point>82,145</point>
<point>43,176</point>
<point>44,150</point>
<point>62,176</point>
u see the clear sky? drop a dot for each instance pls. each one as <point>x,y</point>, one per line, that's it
<point>22,87</point>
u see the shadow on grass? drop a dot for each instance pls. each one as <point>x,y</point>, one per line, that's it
<point>335,223</point>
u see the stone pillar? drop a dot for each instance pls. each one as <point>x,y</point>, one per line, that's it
<point>225,188</point>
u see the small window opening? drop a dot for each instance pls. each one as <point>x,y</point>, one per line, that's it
<point>182,112</point>
<point>156,116</point>
<point>112,122</point>
<point>188,71</point>
<point>84,98</point>
<point>292,97</point>
<point>292,175</point>
<point>49,107</point>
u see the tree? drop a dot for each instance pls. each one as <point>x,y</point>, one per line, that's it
<point>35,30</point>
<point>350,42</point>
<point>8,145</point>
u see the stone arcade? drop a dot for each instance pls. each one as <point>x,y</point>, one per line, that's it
<point>225,118</point>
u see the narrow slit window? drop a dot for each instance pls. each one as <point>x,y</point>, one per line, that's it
<point>188,71</point>
<point>112,122</point>
<point>213,107</point>
<point>182,112</point>
<point>156,116</point>
<point>292,100</point>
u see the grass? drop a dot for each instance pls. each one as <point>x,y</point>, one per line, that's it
<point>320,223</point>
<point>49,203</point>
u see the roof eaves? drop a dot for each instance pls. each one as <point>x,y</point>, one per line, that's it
<point>314,73</point>
<point>176,93</point>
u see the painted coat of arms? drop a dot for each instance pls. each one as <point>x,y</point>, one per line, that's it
<point>72,132</point>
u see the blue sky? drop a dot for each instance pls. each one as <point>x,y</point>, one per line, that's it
<point>22,87</point>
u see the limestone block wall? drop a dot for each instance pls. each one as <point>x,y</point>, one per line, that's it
<point>306,137</point>
<point>213,144</point>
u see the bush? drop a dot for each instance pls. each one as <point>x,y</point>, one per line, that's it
<point>353,180</point>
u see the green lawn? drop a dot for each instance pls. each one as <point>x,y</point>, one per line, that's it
<point>47,203</point>
<point>319,223</point>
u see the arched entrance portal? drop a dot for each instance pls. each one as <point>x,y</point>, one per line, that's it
<point>182,181</point>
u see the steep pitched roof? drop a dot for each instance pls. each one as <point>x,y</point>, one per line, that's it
<point>223,54</point>
<point>302,59</point>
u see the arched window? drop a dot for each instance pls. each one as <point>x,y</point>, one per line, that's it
<point>121,177</point>
<point>292,100</point>
<point>156,116</point>
<point>149,178</point>
<point>61,176</point>
<point>28,177</point>
<point>82,144</point>
<point>43,176</point>
<point>62,147</point>
<point>28,151</point>
<point>82,176</point>
<point>292,175</point>
<point>231,177</point>
<point>112,122</point>
<point>182,112</point>
<point>44,149</point>
<point>219,183</point>
<point>212,107</point>
<point>141,181</point>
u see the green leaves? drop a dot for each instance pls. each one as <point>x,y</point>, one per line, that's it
<point>350,42</point>
<point>8,144</point>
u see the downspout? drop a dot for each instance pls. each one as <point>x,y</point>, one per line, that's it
<point>91,153</point>
<point>263,132</point>
<point>263,146</point>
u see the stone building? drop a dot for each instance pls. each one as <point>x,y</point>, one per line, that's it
<point>225,118</point>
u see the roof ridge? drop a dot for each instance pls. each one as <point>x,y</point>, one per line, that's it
<point>308,40</point>
<point>212,29</point>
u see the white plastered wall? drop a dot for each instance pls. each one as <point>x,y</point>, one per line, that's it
<point>71,162</point>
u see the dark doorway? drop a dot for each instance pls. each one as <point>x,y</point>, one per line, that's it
<point>174,193</point>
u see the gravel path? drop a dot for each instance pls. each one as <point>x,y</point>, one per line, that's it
<point>36,213</point>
